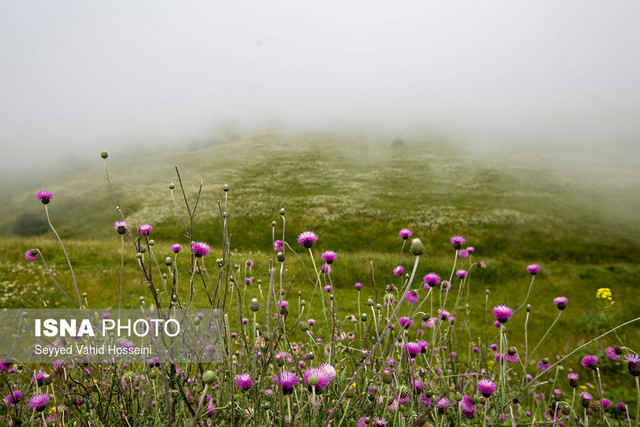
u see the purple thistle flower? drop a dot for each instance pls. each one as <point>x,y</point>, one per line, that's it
<point>405,322</point>
<point>362,422</point>
<point>244,382</point>
<point>543,366</point>
<point>573,379</point>
<point>39,402</point>
<point>12,399</point>
<point>425,400</point>
<point>463,253</point>
<point>45,196</point>
<point>405,233</point>
<point>512,358</point>
<point>502,313</point>
<point>412,297</point>
<point>413,348</point>
<point>176,248</point>
<point>493,347</point>
<point>621,407</point>
<point>200,249</point>
<point>457,242</point>
<point>431,280</point>
<point>443,404</point>
<point>443,314</point>
<point>329,370</point>
<point>31,255</point>
<point>461,273</point>
<point>606,404</point>
<point>611,354</point>
<point>287,380</point>
<point>471,249</point>
<point>248,281</point>
<point>316,377</point>
<point>120,226</point>
<point>307,239</point>
<point>486,387</point>
<point>633,361</point>
<point>357,285</point>
<point>467,407</point>
<point>533,269</point>
<point>380,422</point>
<point>561,302</point>
<point>249,263</point>
<point>329,256</point>
<point>279,245</point>
<point>326,269</point>
<point>398,270</point>
<point>310,321</point>
<point>145,229</point>
<point>328,288</point>
<point>586,397</point>
<point>590,362</point>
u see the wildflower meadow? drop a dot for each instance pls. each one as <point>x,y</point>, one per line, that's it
<point>427,334</point>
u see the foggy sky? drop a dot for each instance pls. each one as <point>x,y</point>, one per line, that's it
<point>79,76</point>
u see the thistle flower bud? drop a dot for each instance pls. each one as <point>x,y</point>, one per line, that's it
<point>208,377</point>
<point>168,261</point>
<point>273,223</point>
<point>417,247</point>
<point>363,317</point>
<point>303,303</point>
<point>172,186</point>
<point>225,188</point>
<point>370,302</point>
<point>404,391</point>
<point>282,211</point>
<point>104,154</point>
<point>304,327</point>
<point>387,377</point>
<point>84,295</point>
<point>280,256</point>
<point>254,305</point>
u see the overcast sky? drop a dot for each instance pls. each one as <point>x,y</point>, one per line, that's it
<point>77,76</point>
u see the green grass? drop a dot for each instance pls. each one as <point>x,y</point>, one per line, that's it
<point>356,194</point>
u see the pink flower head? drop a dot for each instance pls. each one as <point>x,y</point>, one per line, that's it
<point>287,380</point>
<point>590,362</point>
<point>328,288</point>
<point>405,322</point>
<point>39,402</point>
<point>145,229</point>
<point>413,348</point>
<point>326,269</point>
<point>329,256</point>
<point>471,249</point>
<point>200,249</point>
<point>468,407</point>
<point>457,242</point>
<point>316,377</point>
<point>176,248</point>
<point>310,321</point>
<point>533,269</point>
<point>461,273</point>
<point>444,314</point>
<point>612,354</point>
<point>561,302</point>
<point>278,245</point>
<point>633,361</point>
<point>329,370</point>
<point>307,239</point>
<point>45,197</point>
<point>12,399</point>
<point>463,253</point>
<point>244,382</point>
<point>120,226</point>
<point>412,297</point>
<point>502,313</point>
<point>31,255</point>
<point>431,280</point>
<point>358,285</point>
<point>248,281</point>
<point>486,387</point>
<point>249,263</point>
<point>405,233</point>
<point>398,270</point>
<point>543,366</point>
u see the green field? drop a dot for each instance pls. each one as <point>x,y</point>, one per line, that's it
<point>356,192</point>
